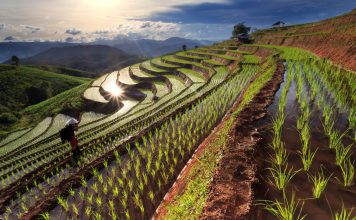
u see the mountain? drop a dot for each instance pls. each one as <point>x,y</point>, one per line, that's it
<point>91,58</point>
<point>153,48</point>
<point>26,86</point>
<point>26,49</point>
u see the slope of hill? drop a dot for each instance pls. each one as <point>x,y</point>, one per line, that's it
<point>332,38</point>
<point>64,70</point>
<point>153,48</point>
<point>92,58</point>
<point>26,49</point>
<point>27,86</point>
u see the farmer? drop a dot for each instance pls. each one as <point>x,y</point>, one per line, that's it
<point>71,127</point>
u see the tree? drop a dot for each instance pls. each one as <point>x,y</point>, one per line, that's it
<point>196,47</point>
<point>184,47</point>
<point>15,61</point>
<point>240,28</point>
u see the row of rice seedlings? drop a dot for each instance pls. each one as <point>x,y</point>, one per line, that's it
<point>33,194</point>
<point>342,153</point>
<point>280,175</point>
<point>306,155</point>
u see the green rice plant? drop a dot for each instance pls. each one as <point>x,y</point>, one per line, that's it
<point>45,216</point>
<point>335,139</point>
<point>280,177</point>
<point>63,203</point>
<point>319,183</point>
<point>342,153</point>
<point>348,171</point>
<point>286,210</point>
<point>280,155</point>
<point>75,210</point>
<point>344,214</point>
<point>90,199</point>
<point>305,137</point>
<point>307,158</point>
<point>88,212</point>
<point>98,202</point>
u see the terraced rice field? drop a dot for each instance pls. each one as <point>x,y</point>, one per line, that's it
<point>160,111</point>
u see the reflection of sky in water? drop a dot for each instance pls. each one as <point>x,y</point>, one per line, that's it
<point>125,78</point>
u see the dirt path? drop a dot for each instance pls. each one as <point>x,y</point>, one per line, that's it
<point>231,191</point>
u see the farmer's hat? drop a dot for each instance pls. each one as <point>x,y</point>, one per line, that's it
<point>72,121</point>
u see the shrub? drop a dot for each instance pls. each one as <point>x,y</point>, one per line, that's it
<point>7,118</point>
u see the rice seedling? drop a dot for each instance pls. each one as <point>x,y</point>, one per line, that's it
<point>307,158</point>
<point>320,182</point>
<point>348,172</point>
<point>286,210</point>
<point>342,153</point>
<point>344,214</point>
<point>45,216</point>
<point>280,155</point>
<point>280,177</point>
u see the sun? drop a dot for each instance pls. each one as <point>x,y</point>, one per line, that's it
<point>114,89</point>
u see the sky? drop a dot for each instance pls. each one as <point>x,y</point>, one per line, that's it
<point>91,20</point>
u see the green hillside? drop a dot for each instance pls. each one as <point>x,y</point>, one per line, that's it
<point>26,86</point>
<point>65,70</point>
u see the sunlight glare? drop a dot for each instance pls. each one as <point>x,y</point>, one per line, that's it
<point>114,89</point>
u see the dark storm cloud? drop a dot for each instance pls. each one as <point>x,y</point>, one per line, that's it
<point>73,31</point>
<point>256,12</point>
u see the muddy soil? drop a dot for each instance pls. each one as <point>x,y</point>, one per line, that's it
<point>231,191</point>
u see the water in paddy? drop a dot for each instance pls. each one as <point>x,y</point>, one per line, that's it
<point>335,193</point>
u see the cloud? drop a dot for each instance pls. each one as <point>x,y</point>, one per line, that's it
<point>33,29</point>
<point>73,31</point>
<point>9,38</point>
<point>102,32</point>
<point>69,39</point>
<point>255,12</point>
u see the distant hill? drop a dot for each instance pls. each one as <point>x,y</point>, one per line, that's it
<point>26,49</point>
<point>27,86</point>
<point>91,58</point>
<point>332,38</point>
<point>66,71</point>
<point>153,48</point>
